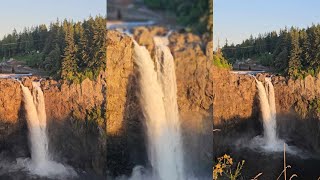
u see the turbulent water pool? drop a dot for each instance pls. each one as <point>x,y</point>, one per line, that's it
<point>12,168</point>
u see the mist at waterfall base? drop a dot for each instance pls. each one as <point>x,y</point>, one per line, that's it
<point>269,142</point>
<point>261,143</point>
<point>40,164</point>
<point>158,100</point>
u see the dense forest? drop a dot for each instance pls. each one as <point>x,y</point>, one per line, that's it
<point>69,50</point>
<point>294,52</point>
<point>196,15</point>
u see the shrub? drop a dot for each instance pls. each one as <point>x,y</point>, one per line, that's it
<point>225,168</point>
<point>220,62</point>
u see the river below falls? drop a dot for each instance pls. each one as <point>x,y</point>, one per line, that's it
<point>11,169</point>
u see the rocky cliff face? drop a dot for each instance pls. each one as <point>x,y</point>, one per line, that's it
<point>125,131</point>
<point>12,124</point>
<point>236,95</point>
<point>194,83</point>
<point>77,113</point>
<point>74,120</point>
<point>297,102</point>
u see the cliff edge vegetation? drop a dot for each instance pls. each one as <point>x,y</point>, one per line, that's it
<point>65,50</point>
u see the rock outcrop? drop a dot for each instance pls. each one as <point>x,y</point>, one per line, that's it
<point>125,143</point>
<point>13,127</point>
<point>125,118</point>
<point>297,103</point>
<point>74,119</point>
<point>234,96</point>
<point>80,115</point>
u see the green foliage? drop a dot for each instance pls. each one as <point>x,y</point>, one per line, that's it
<point>196,15</point>
<point>294,65</point>
<point>220,62</point>
<point>52,61</point>
<point>31,59</point>
<point>295,52</point>
<point>155,4</point>
<point>96,116</point>
<point>265,59</point>
<point>314,106</point>
<point>69,61</point>
<point>306,108</point>
<point>66,50</point>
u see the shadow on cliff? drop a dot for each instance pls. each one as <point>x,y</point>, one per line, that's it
<point>128,148</point>
<point>227,132</point>
<point>196,130</point>
<point>303,133</point>
<point>14,137</point>
<point>300,133</point>
<point>79,143</point>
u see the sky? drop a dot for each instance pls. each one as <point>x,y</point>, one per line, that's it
<point>236,20</point>
<point>26,13</point>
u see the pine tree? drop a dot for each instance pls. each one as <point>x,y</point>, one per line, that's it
<point>305,54</point>
<point>316,48</point>
<point>69,61</point>
<point>210,19</point>
<point>68,50</point>
<point>294,64</point>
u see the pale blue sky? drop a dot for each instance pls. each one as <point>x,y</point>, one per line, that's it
<point>25,13</point>
<point>237,19</point>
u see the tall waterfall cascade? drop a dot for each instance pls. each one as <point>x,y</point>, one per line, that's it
<point>268,110</point>
<point>40,163</point>
<point>270,140</point>
<point>158,99</point>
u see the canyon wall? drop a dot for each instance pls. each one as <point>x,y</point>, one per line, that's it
<point>125,118</point>
<point>76,125</point>
<point>297,103</point>
<point>98,122</point>
<point>235,95</point>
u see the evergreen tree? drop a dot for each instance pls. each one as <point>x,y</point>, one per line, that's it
<point>210,19</point>
<point>294,64</point>
<point>72,51</point>
<point>69,61</point>
<point>305,45</point>
<point>295,52</point>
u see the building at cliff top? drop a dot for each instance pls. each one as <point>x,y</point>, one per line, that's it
<point>13,66</point>
<point>249,65</point>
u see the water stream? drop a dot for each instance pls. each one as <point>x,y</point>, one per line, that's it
<point>40,162</point>
<point>158,99</point>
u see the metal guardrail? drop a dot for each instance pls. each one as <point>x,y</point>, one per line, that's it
<point>7,76</point>
<point>129,25</point>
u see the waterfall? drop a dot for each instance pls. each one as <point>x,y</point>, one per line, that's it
<point>167,78</point>
<point>40,163</point>
<point>269,142</point>
<point>268,110</point>
<point>158,99</point>
<point>271,98</point>
<point>36,118</point>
